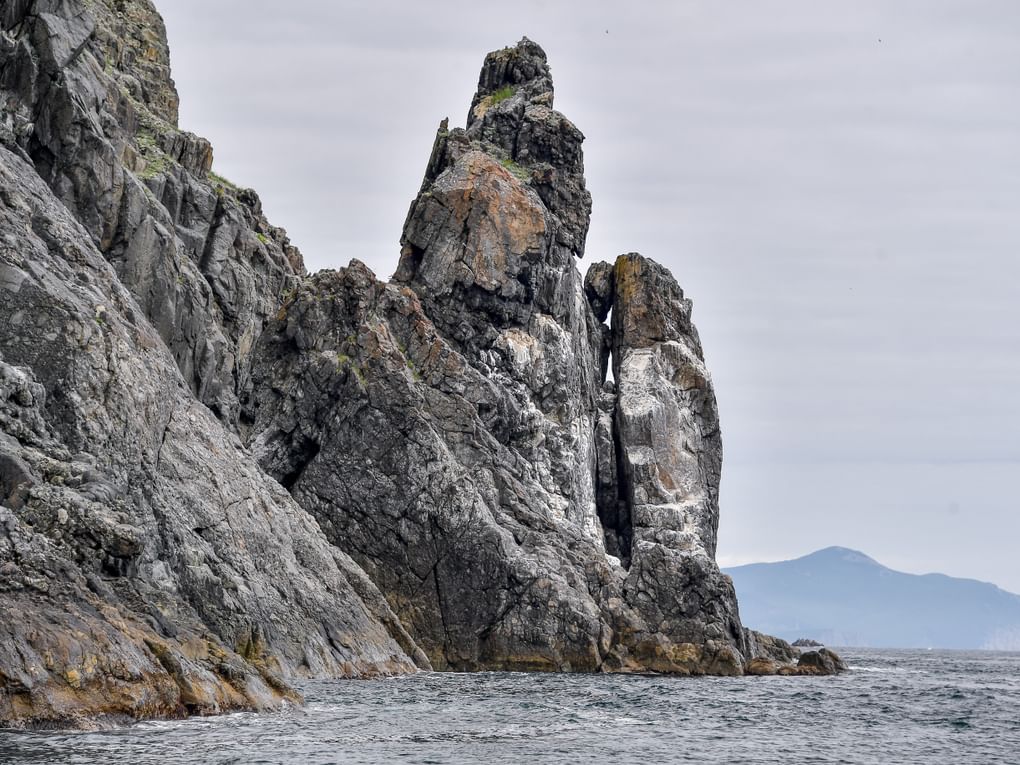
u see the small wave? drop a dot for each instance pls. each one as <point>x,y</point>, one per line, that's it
<point>158,725</point>
<point>628,721</point>
<point>888,670</point>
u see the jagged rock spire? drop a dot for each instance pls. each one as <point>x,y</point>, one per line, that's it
<point>512,121</point>
<point>518,512</point>
<point>489,247</point>
<point>520,72</point>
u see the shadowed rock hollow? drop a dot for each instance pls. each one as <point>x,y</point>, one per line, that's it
<point>218,473</point>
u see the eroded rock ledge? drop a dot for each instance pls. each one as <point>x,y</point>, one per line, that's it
<point>219,474</point>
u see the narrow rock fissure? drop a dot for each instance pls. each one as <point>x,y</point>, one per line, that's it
<point>307,451</point>
<point>611,493</point>
<point>624,529</point>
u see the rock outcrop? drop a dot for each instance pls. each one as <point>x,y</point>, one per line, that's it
<point>218,473</point>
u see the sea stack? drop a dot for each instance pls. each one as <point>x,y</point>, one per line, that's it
<point>220,474</point>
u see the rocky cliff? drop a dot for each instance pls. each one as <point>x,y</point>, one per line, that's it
<point>148,566</point>
<point>219,474</point>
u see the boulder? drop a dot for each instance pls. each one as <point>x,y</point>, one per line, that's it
<point>820,662</point>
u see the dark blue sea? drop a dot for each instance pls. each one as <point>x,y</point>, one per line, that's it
<point>897,707</point>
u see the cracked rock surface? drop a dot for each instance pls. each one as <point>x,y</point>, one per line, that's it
<point>89,101</point>
<point>219,473</point>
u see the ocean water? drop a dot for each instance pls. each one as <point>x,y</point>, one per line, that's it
<point>900,707</point>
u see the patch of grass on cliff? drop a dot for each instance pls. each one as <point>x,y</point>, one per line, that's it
<point>520,173</point>
<point>413,368</point>
<point>343,360</point>
<point>502,94</point>
<point>148,120</point>
<point>156,161</point>
<point>221,184</point>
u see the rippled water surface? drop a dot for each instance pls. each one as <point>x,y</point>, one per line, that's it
<point>894,707</point>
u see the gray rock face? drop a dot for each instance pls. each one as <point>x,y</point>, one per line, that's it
<point>386,434</point>
<point>187,575</point>
<point>492,261</point>
<point>670,456</point>
<point>218,473</point>
<point>458,461</point>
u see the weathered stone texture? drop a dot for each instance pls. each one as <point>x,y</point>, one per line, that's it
<point>148,567</point>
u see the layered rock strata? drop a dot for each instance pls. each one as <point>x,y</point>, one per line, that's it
<point>219,474</point>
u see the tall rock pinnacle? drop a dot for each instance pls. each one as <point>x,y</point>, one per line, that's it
<point>493,263</point>
<point>521,71</point>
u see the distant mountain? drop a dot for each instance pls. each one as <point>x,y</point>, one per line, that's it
<point>842,597</point>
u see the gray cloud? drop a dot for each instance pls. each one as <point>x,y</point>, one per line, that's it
<point>835,184</point>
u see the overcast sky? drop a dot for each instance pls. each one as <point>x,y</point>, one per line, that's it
<point>835,184</point>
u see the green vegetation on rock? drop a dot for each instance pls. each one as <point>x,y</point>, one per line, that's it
<point>156,160</point>
<point>221,185</point>
<point>502,94</point>
<point>518,171</point>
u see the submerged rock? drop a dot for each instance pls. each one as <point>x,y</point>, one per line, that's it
<point>218,473</point>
